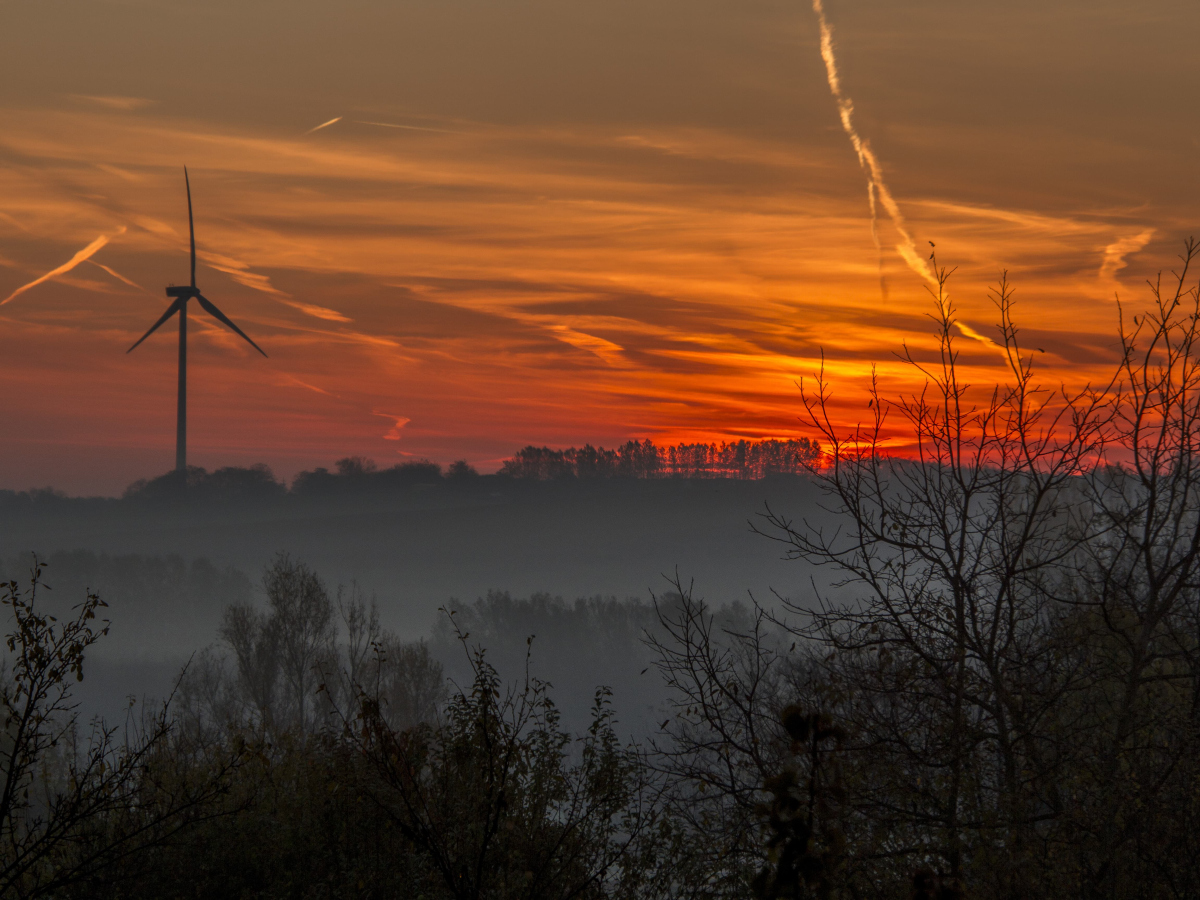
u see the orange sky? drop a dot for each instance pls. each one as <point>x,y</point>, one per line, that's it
<point>590,222</point>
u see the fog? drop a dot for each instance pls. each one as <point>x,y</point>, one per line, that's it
<point>591,553</point>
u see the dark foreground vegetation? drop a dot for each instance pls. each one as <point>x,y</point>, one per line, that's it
<point>1001,700</point>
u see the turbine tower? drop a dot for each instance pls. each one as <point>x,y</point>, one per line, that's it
<point>182,295</point>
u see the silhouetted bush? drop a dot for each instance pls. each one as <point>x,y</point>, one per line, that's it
<point>461,470</point>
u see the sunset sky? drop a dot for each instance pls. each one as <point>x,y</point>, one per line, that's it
<point>554,222</point>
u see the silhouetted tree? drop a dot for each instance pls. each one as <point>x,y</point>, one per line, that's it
<point>501,802</point>
<point>644,459</point>
<point>73,806</point>
<point>1011,647</point>
<point>461,470</point>
<point>228,485</point>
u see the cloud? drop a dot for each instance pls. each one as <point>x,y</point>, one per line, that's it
<point>293,380</point>
<point>398,423</point>
<point>6,217</point>
<point>82,256</point>
<point>240,272</point>
<point>876,186</point>
<point>154,226</point>
<point>332,121</point>
<point>974,335</point>
<point>121,104</point>
<point>1115,253</point>
<point>608,351</point>
<point>118,171</point>
<point>317,312</point>
<point>117,275</point>
<point>407,127</point>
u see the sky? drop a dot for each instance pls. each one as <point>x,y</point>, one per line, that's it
<point>553,221</point>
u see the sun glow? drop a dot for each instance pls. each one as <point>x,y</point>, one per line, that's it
<point>560,278</point>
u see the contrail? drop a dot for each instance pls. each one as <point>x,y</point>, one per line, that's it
<point>324,125</point>
<point>117,275</point>
<point>407,127</point>
<point>82,256</point>
<point>883,288</point>
<point>974,335</point>
<point>876,186</point>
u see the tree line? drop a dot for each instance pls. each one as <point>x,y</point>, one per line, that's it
<point>998,698</point>
<point>746,460</point>
<point>358,476</point>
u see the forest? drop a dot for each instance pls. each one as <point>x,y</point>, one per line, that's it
<point>995,694</point>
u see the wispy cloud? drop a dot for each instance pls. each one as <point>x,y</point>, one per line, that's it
<point>117,275</point>
<point>398,423</point>
<point>974,335</point>
<point>311,309</point>
<point>675,295</point>
<point>82,256</point>
<point>118,103</point>
<point>332,121</point>
<point>876,186</point>
<point>407,127</point>
<point>6,217</point>
<point>1115,253</point>
<point>293,380</point>
<point>123,174</point>
<point>608,351</point>
<point>240,272</point>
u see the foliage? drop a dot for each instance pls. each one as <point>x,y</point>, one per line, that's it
<point>74,806</point>
<point>501,802</point>
<point>284,672</point>
<point>805,844</point>
<point>613,653</point>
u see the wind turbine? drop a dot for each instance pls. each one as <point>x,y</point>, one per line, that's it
<point>182,295</point>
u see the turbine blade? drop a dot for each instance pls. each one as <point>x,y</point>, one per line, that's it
<point>171,310</point>
<point>191,224</point>
<point>221,317</point>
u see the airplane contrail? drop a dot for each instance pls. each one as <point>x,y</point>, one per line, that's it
<point>883,288</point>
<point>974,335</point>
<point>82,256</point>
<point>876,186</point>
<point>407,127</point>
<point>324,125</point>
<point>117,275</point>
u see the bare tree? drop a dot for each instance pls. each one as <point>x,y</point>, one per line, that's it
<point>402,678</point>
<point>955,559</point>
<point>73,805</point>
<point>303,628</point>
<point>252,637</point>
<point>1141,590</point>
<point>1013,639</point>
<point>724,740</point>
<point>279,652</point>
